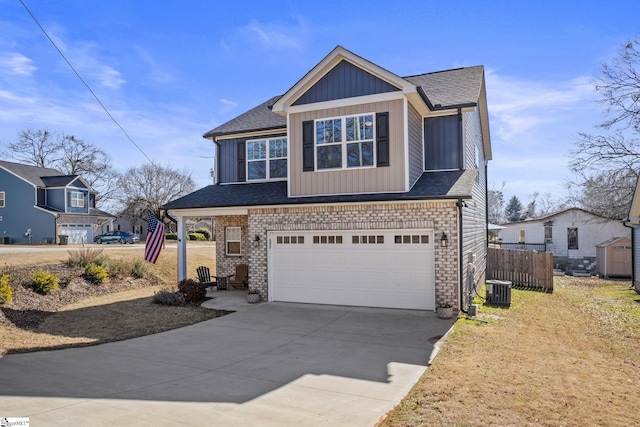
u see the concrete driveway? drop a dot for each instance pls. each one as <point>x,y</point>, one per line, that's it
<point>274,364</point>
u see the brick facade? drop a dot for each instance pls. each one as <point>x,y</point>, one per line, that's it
<point>441,216</point>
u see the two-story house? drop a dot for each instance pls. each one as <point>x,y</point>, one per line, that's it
<point>37,205</point>
<point>355,187</point>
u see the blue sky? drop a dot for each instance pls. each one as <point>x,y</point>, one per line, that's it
<point>171,70</point>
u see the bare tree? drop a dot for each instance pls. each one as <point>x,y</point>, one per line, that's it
<point>35,147</point>
<point>151,186</point>
<point>495,204</point>
<point>606,166</point>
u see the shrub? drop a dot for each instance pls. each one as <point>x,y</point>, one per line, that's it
<point>6,291</point>
<point>166,297</point>
<point>192,290</point>
<point>196,236</point>
<point>205,232</point>
<point>82,257</point>
<point>139,268</point>
<point>43,282</point>
<point>171,236</point>
<point>119,268</point>
<point>95,273</point>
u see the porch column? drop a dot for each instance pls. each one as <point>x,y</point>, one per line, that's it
<point>182,247</point>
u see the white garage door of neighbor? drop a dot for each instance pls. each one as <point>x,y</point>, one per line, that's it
<point>372,268</point>
<point>77,233</point>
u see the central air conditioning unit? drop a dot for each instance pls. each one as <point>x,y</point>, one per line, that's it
<point>498,292</point>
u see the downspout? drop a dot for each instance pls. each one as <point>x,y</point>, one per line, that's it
<point>633,254</point>
<point>216,178</point>
<point>459,205</point>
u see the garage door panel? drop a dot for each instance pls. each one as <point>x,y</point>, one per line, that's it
<point>354,268</point>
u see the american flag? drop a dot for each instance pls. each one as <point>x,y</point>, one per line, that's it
<point>155,239</point>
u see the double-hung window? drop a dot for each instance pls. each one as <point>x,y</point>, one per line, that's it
<point>77,199</point>
<point>233,237</point>
<point>267,159</point>
<point>1,199</point>
<point>345,142</point>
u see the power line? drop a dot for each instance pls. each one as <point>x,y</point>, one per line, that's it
<point>85,83</point>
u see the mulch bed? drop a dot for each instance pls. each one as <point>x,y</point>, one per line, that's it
<point>27,309</point>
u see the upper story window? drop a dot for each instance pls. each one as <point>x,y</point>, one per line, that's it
<point>267,159</point>
<point>77,199</point>
<point>1,199</point>
<point>345,142</point>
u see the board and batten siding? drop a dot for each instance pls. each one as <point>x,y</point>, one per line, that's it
<point>474,219</point>
<point>349,181</point>
<point>228,156</point>
<point>442,143</point>
<point>416,145</point>
<point>345,80</point>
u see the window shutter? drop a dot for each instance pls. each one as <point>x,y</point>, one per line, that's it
<point>382,139</point>
<point>242,160</point>
<point>308,159</point>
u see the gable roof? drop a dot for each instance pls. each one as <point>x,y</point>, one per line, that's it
<point>634,210</point>
<point>556,214</point>
<point>431,185</point>
<point>440,90</point>
<point>31,174</point>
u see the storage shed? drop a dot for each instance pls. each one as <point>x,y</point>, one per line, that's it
<point>613,257</point>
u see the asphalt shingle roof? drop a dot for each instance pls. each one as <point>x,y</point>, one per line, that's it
<point>32,174</point>
<point>58,181</point>
<point>431,185</point>
<point>258,118</point>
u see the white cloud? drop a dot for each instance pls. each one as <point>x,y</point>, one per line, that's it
<point>16,63</point>
<point>519,107</point>
<point>274,36</point>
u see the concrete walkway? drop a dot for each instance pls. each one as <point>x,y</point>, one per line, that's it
<point>270,364</point>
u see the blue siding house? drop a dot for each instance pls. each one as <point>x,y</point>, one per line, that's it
<point>37,205</point>
<point>355,187</point>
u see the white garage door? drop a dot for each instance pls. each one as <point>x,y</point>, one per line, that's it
<point>78,233</point>
<point>373,268</point>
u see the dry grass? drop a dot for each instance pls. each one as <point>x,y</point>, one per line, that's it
<point>570,358</point>
<point>111,317</point>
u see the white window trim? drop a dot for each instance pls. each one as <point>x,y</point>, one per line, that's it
<point>75,199</point>
<point>343,143</point>
<point>267,159</point>
<point>227,240</point>
<point>3,199</point>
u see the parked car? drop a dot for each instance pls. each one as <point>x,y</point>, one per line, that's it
<point>121,237</point>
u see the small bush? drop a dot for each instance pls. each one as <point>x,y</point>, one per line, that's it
<point>95,273</point>
<point>139,268</point>
<point>192,290</point>
<point>6,291</point>
<point>196,236</point>
<point>83,257</point>
<point>171,236</point>
<point>119,268</point>
<point>205,232</point>
<point>166,297</point>
<point>43,282</point>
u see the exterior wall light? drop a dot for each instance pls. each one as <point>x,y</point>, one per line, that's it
<point>444,239</point>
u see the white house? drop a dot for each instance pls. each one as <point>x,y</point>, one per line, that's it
<point>572,236</point>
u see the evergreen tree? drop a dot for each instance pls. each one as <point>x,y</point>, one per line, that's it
<point>514,212</point>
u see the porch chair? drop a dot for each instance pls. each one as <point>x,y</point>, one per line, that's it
<point>204,276</point>
<point>241,278</point>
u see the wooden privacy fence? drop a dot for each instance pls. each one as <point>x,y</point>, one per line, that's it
<point>524,269</point>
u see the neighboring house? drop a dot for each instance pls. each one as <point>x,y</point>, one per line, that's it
<point>572,235</point>
<point>131,223</point>
<point>633,222</point>
<point>37,205</point>
<point>356,187</point>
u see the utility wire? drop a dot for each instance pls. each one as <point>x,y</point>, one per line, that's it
<point>85,83</point>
